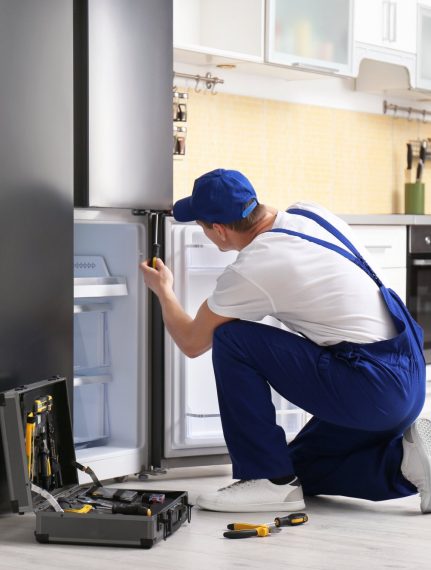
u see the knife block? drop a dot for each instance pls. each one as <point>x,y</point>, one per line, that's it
<point>414,197</point>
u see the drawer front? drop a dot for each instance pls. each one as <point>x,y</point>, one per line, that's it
<point>386,245</point>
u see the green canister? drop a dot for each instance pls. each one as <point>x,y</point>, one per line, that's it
<point>414,197</point>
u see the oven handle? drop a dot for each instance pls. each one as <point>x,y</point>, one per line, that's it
<point>422,262</point>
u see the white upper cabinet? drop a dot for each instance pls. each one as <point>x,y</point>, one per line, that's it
<point>310,34</point>
<point>386,23</point>
<point>230,28</point>
<point>423,65</point>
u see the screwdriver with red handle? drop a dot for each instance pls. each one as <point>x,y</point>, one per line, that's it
<point>246,530</point>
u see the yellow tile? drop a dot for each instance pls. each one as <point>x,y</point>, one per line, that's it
<point>350,162</point>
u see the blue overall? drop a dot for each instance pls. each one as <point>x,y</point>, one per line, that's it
<point>362,396</point>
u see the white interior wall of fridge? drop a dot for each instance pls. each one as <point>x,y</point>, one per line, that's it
<point>110,347</point>
<point>191,397</point>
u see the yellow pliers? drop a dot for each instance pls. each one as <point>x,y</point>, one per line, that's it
<point>245,530</point>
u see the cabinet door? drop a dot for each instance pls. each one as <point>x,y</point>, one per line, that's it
<point>423,68</point>
<point>233,28</point>
<point>310,34</point>
<point>386,23</point>
<point>385,250</point>
<point>130,103</point>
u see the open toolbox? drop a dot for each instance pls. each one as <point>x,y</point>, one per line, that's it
<point>42,476</point>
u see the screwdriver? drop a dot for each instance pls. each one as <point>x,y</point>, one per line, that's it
<point>245,530</point>
<point>135,509</point>
<point>155,249</point>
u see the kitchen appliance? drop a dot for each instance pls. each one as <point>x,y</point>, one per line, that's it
<point>36,193</point>
<point>419,281</point>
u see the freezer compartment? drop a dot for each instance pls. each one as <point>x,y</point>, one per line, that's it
<point>191,402</point>
<point>110,343</point>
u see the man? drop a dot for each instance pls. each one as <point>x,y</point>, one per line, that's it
<point>354,359</point>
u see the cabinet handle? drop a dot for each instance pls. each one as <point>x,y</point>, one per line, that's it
<point>422,262</point>
<point>311,67</point>
<point>385,21</point>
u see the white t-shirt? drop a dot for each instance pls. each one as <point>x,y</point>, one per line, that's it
<point>312,290</point>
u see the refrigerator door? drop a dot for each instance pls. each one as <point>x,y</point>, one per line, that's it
<point>36,193</point>
<point>110,343</point>
<point>129,103</point>
<point>192,417</point>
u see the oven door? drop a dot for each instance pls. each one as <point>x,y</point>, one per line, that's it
<point>419,297</point>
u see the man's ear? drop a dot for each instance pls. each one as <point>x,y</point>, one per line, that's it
<point>220,229</point>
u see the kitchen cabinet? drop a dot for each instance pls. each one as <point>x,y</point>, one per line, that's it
<point>385,23</point>
<point>386,250</point>
<point>423,66</point>
<point>231,28</point>
<point>310,34</point>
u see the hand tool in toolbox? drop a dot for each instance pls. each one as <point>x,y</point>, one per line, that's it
<point>40,445</point>
<point>42,475</point>
<point>246,530</point>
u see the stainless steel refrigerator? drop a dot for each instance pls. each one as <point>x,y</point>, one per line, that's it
<point>138,402</point>
<point>36,192</point>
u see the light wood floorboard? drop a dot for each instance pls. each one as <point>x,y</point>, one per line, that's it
<point>341,534</point>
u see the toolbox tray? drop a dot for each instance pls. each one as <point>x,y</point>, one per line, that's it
<point>95,527</point>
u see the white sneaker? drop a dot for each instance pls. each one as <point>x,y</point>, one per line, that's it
<point>416,463</point>
<point>254,495</point>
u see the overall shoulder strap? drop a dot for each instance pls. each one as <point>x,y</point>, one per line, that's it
<point>353,254</point>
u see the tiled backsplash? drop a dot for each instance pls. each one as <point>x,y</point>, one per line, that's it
<point>351,162</point>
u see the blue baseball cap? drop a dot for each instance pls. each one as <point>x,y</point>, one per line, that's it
<point>219,196</point>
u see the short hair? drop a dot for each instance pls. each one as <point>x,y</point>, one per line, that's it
<point>244,224</point>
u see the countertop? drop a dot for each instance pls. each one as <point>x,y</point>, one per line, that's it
<point>387,219</point>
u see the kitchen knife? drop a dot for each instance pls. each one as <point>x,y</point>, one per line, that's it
<point>409,162</point>
<point>409,156</point>
<point>423,151</point>
<point>419,170</point>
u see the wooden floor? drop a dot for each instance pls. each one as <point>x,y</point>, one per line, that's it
<point>341,534</point>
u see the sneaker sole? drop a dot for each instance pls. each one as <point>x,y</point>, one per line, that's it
<point>252,508</point>
<point>420,433</point>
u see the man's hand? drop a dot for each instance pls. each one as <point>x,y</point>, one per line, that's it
<point>193,336</point>
<point>159,280</point>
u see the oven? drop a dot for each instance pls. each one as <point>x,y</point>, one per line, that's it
<point>419,281</point>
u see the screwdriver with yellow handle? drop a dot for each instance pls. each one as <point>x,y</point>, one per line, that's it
<point>29,442</point>
<point>246,530</point>
<point>81,511</point>
<point>155,249</point>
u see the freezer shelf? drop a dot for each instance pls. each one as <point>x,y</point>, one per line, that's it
<point>207,428</point>
<point>207,255</point>
<point>87,287</point>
